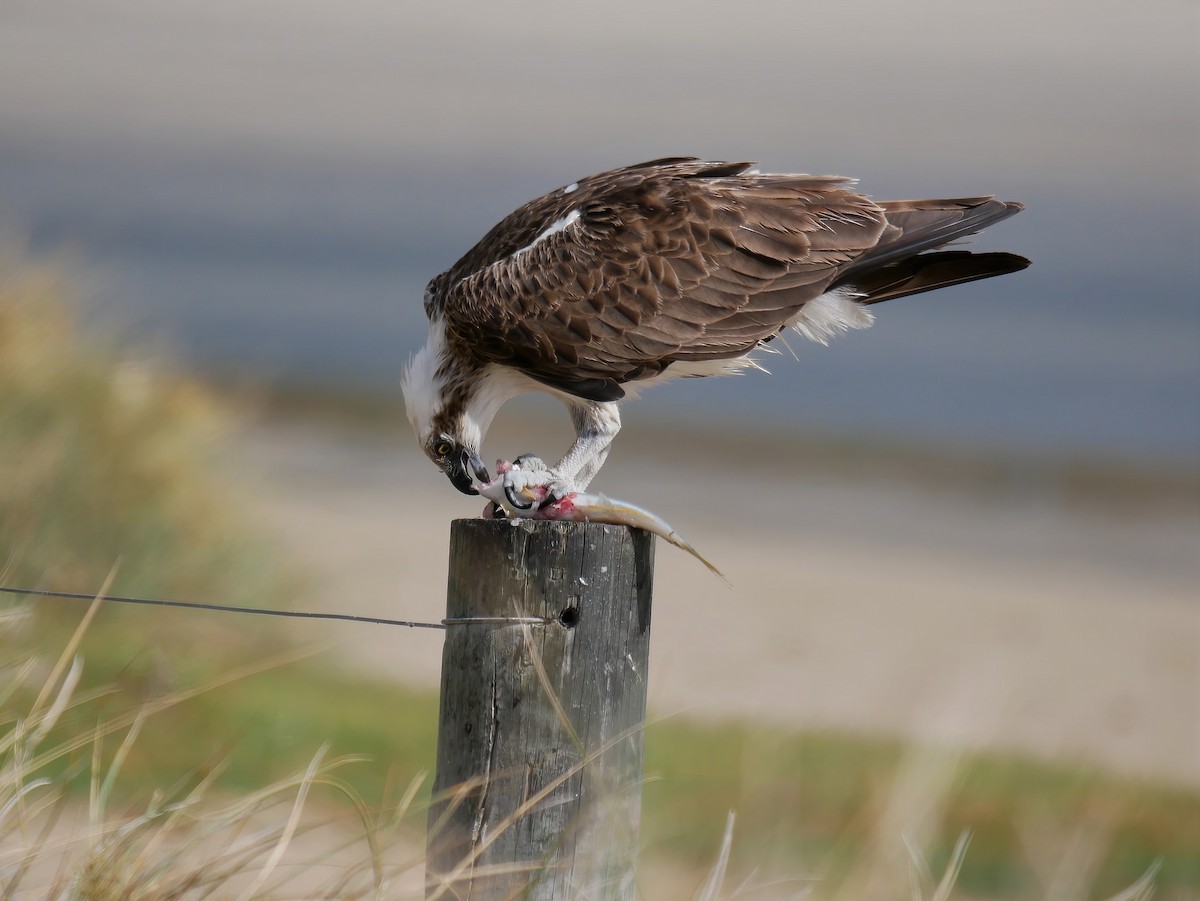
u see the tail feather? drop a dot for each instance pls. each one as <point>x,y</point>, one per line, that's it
<point>929,271</point>
<point>898,266</point>
<point>914,226</point>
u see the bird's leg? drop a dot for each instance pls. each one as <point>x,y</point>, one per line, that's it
<point>596,424</point>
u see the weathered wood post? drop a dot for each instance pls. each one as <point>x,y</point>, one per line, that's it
<point>538,787</point>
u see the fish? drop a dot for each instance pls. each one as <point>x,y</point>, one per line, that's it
<point>579,506</point>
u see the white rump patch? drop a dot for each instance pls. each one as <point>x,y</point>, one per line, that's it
<point>555,227</point>
<point>421,384</point>
<point>830,314</point>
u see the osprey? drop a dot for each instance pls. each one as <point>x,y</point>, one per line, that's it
<point>671,268</point>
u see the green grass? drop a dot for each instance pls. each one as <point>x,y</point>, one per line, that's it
<point>809,803</point>
<point>106,464</point>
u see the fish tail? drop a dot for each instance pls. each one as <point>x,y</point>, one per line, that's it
<point>678,540</point>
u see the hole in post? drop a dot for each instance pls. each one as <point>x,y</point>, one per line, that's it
<point>569,617</point>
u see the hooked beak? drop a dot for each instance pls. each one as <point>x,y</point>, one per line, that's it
<point>460,472</point>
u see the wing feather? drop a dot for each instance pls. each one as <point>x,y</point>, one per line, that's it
<point>672,260</point>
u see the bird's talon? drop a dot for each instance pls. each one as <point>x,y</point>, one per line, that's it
<point>511,494</point>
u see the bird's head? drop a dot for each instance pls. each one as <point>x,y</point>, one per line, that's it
<point>456,455</point>
<point>438,407</point>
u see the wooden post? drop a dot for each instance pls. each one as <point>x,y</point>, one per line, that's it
<point>538,787</point>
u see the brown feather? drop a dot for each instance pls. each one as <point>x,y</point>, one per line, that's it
<point>680,259</point>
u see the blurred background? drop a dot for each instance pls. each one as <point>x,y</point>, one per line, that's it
<point>975,527</point>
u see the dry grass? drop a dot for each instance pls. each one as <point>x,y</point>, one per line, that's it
<point>188,841</point>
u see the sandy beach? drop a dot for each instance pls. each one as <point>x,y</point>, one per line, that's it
<point>870,606</point>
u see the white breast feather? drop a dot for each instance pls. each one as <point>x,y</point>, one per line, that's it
<point>497,386</point>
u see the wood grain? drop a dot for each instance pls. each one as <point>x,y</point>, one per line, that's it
<point>538,785</point>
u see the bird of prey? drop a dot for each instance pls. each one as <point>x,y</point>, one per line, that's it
<point>671,268</point>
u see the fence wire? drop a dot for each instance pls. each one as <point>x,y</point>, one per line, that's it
<point>220,608</point>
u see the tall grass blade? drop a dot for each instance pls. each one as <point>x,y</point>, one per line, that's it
<point>289,830</point>
<point>711,889</point>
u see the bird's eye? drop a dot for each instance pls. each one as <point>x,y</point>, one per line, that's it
<point>443,448</point>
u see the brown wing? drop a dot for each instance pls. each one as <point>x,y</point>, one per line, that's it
<point>629,271</point>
